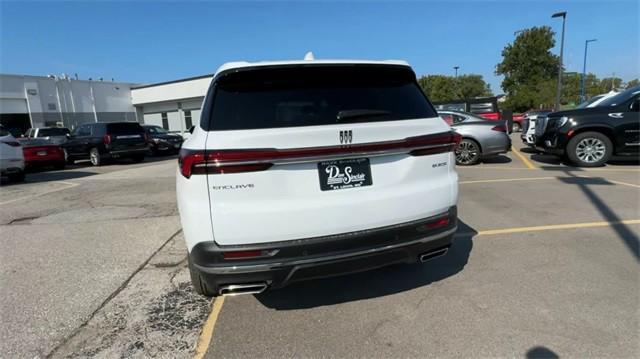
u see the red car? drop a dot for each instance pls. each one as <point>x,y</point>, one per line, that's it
<point>42,153</point>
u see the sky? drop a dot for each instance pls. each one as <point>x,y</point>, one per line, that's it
<point>155,41</point>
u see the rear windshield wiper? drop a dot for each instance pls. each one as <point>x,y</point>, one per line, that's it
<point>360,114</point>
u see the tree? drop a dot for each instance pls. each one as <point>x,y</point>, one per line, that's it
<point>472,86</point>
<point>610,83</point>
<point>529,67</point>
<point>632,83</point>
<point>446,88</point>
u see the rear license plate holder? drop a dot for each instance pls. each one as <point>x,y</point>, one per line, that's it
<point>343,174</point>
<point>41,153</point>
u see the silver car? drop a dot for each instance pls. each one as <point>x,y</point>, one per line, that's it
<point>481,138</point>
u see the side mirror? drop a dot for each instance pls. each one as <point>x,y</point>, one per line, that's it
<point>191,129</point>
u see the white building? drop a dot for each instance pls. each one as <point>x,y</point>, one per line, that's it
<point>37,101</point>
<point>174,105</point>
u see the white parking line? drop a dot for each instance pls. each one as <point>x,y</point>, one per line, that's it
<point>68,185</point>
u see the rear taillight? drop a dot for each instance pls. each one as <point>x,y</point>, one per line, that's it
<point>12,143</point>
<point>200,162</point>
<point>251,160</point>
<point>440,143</point>
<point>437,224</point>
<point>106,139</point>
<point>500,128</point>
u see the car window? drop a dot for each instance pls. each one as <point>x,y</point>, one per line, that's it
<point>4,132</point>
<point>83,131</point>
<point>46,132</point>
<point>458,118</point>
<point>622,97</point>
<point>590,101</point>
<point>635,105</point>
<point>448,118</point>
<point>123,128</point>
<point>158,130</point>
<point>318,95</point>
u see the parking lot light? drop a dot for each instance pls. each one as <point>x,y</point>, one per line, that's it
<point>584,71</point>
<point>562,14</point>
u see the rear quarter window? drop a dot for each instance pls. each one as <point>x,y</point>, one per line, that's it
<point>313,96</point>
<point>124,128</point>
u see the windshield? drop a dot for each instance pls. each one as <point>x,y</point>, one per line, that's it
<point>621,97</point>
<point>156,130</point>
<point>590,101</point>
<point>47,132</point>
<point>312,96</point>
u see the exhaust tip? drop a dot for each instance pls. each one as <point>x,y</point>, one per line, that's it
<point>240,289</point>
<point>433,254</point>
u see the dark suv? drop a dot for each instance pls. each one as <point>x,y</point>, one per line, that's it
<point>588,137</point>
<point>102,141</point>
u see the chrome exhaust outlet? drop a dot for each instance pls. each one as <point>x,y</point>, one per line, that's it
<point>431,255</point>
<point>239,289</point>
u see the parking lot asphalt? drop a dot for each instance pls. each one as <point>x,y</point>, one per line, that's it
<point>545,264</point>
<point>70,239</point>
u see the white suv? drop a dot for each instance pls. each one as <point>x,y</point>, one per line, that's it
<point>11,157</point>
<point>309,169</point>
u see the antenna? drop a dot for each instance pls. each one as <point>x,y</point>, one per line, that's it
<point>309,56</point>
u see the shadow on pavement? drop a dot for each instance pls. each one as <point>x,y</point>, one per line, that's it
<point>529,150</point>
<point>375,283</point>
<point>624,232</point>
<point>540,352</point>
<point>497,159</point>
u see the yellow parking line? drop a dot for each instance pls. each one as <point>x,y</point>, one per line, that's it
<point>492,232</point>
<point>508,180</point>
<point>523,158</point>
<point>207,330</point>
<point>560,168</point>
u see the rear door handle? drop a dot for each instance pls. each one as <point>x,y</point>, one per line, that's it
<point>616,115</point>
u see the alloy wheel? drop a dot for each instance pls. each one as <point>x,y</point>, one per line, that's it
<point>467,152</point>
<point>591,150</point>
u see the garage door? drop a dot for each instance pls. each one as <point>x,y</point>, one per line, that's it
<point>8,105</point>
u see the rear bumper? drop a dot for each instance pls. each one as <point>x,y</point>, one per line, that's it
<point>326,256</point>
<point>128,152</point>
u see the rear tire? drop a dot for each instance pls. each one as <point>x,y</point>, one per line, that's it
<point>468,152</point>
<point>589,149</point>
<point>16,177</point>
<point>67,159</point>
<point>199,286</point>
<point>95,157</point>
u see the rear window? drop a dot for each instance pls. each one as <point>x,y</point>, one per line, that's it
<point>124,128</point>
<point>314,95</point>
<point>46,132</point>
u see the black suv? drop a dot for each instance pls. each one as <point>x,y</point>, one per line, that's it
<point>160,140</point>
<point>106,140</point>
<point>588,137</point>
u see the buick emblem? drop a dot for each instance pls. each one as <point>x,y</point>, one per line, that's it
<point>346,137</point>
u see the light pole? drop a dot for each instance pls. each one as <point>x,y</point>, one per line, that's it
<point>562,14</point>
<point>456,68</point>
<point>584,70</point>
